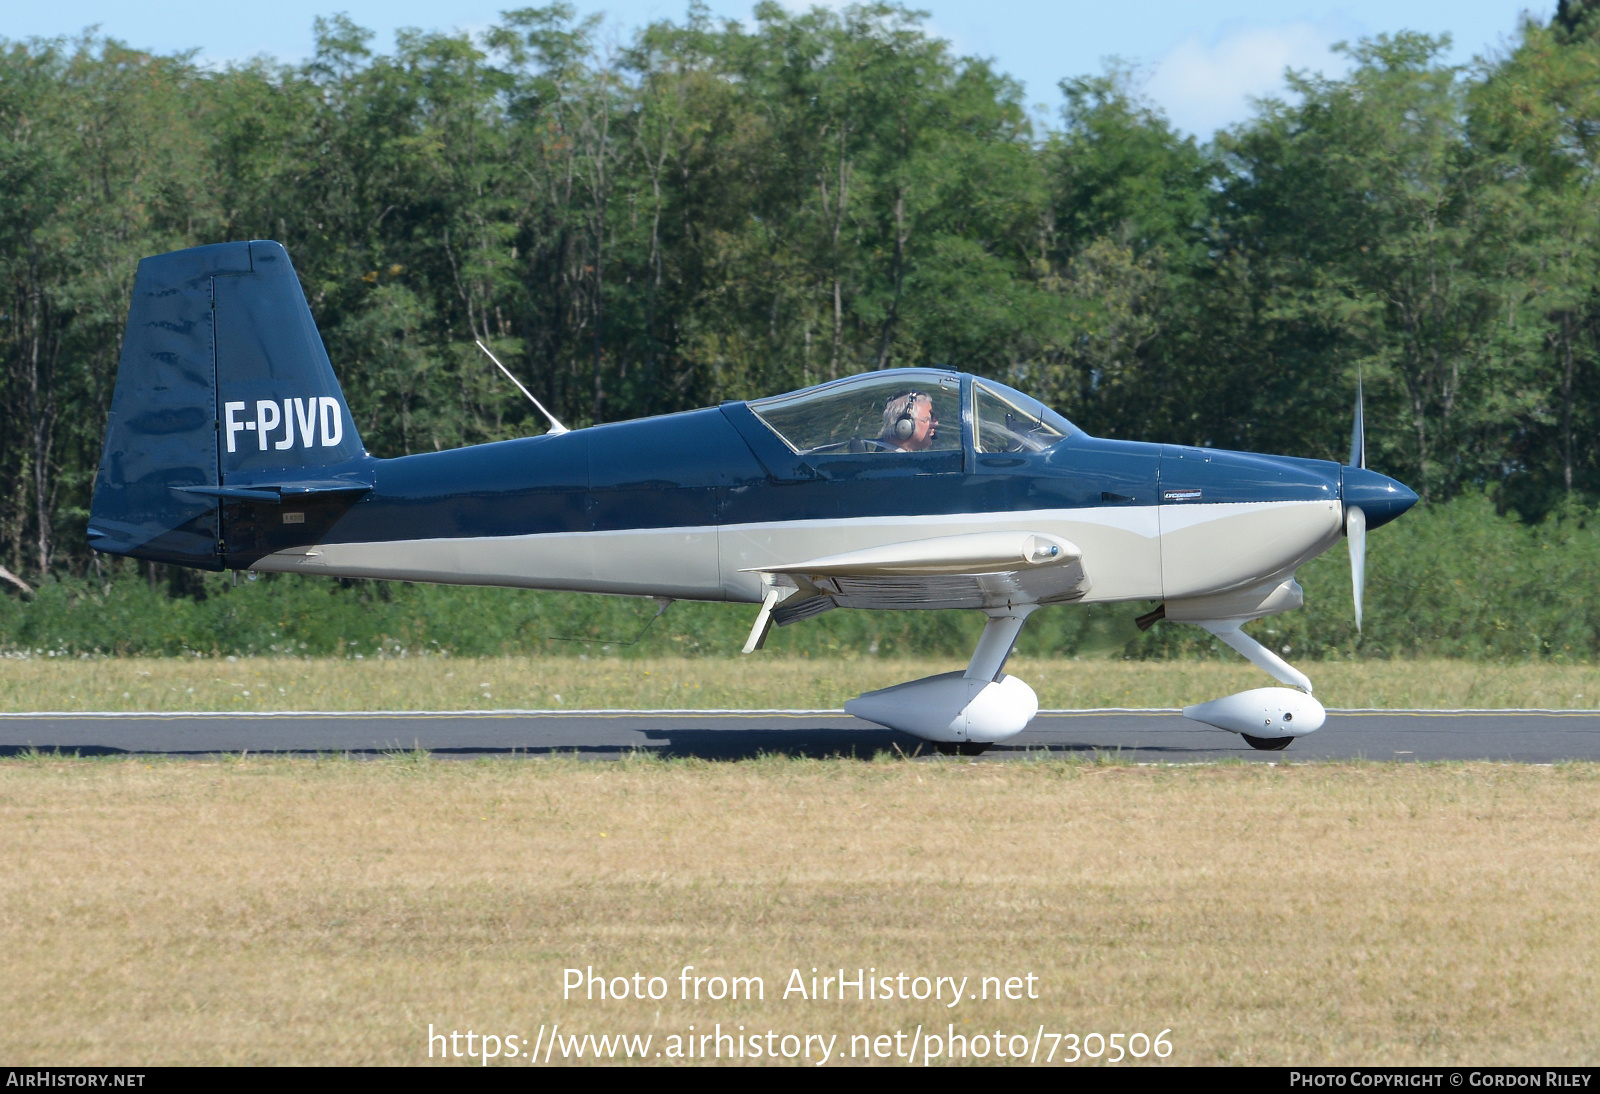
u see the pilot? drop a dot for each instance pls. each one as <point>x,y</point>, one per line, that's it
<point>909,424</point>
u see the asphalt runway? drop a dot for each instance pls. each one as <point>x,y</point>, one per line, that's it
<point>1139,736</point>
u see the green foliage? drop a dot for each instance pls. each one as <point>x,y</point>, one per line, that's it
<point>206,614</point>
<point>1457,580</point>
<point>1453,580</point>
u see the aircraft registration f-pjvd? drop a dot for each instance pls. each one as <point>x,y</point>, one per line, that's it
<point>230,446</point>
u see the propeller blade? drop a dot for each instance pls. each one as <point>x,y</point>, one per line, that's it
<point>1358,435</point>
<point>1355,526</point>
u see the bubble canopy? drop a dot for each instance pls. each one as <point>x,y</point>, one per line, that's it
<point>1006,420</point>
<point>878,411</point>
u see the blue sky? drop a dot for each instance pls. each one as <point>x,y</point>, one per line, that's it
<point>1202,62</point>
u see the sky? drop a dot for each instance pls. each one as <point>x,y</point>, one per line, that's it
<point>1201,62</point>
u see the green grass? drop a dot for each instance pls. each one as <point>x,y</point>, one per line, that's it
<point>755,682</point>
<point>314,911</point>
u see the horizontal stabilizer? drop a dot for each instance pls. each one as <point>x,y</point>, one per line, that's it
<point>276,493</point>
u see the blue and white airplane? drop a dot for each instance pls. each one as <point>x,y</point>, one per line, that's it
<point>230,446</point>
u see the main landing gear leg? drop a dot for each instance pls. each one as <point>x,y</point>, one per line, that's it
<point>999,638</point>
<point>997,641</point>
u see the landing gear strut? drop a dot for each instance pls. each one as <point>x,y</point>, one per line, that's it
<point>1291,711</point>
<point>961,713</point>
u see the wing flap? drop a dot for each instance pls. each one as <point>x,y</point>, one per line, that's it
<point>971,553</point>
<point>977,570</point>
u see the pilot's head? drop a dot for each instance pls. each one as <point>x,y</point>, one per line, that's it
<point>908,422</point>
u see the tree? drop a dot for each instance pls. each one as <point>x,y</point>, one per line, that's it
<point>101,163</point>
<point>1382,237</point>
<point>1120,249</point>
<point>1540,109</point>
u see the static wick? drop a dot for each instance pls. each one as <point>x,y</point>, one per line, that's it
<point>556,428</point>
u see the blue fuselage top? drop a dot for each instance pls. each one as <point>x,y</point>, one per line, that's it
<point>229,439</point>
<point>724,465</point>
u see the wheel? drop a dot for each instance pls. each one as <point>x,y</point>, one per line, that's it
<point>1267,744</point>
<point>962,748</point>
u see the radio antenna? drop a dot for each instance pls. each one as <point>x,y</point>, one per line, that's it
<point>556,428</point>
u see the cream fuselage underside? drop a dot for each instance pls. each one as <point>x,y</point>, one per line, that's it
<point>1150,552</point>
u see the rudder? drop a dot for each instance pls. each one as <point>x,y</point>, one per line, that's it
<point>225,404</point>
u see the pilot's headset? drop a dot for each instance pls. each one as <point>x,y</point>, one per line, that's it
<point>906,423</point>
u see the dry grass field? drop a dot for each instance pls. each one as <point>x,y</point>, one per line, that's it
<point>303,911</point>
<point>164,684</point>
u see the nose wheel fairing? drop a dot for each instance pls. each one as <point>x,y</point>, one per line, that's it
<point>1267,713</point>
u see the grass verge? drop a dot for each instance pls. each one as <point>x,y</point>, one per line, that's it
<point>302,911</point>
<point>758,682</point>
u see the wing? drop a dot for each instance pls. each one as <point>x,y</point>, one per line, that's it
<point>975,570</point>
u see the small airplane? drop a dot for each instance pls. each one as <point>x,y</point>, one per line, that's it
<point>230,446</point>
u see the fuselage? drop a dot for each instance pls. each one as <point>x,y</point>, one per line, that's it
<point>687,505</point>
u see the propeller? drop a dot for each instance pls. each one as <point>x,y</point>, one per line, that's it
<point>1355,525</point>
<point>1355,518</point>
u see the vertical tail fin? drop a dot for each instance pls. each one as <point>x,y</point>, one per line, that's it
<point>224,397</point>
